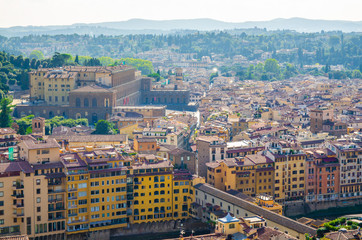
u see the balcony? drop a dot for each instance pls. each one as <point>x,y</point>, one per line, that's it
<point>18,205</point>
<point>72,189</point>
<point>18,186</point>
<point>55,200</point>
<point>18,195</point>
<point>51,191</point>
<point>72,206</point>
<point>55,183</point>
<point>19,214</point>
<point>56,218</point>
<point>77,221</point>
<point>72,214</point>
<point>73,198</point>
<point>70,229</point>
<point>52,209</point>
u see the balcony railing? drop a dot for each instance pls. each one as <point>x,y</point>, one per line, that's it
<point>51,191</point>
<point>18,186</point>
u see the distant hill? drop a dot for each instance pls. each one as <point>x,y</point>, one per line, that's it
<point>142,26</point>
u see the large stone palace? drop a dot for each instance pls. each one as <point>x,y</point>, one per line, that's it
<point>94,92</point>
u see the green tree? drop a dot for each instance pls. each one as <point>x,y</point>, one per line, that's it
<point>334,40</point>
<point>60,59</point>
<point>76,59</point>
<point>212,76</point>
<point>356,74</point>
<point>104,127</point>
<point>271,65</point>
<point>156,76</point>
<point>5,114</point>
<point>36,54</point>
<point>290,71</point>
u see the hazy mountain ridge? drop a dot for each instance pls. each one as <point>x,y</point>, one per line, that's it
<point>143,26</point>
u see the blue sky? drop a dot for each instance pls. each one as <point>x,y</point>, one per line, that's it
<point>64,12</point>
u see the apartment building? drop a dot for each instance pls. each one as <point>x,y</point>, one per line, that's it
<point>289,162</point>
<point>349,155</point>
<point>159,192</point>
<point>33,192</point>
<point>322,175</point>
<point>209,149</point>
<point>252,175</point>
<point>96,190</point>
<point>26,200</point>
<point>86,192</point>
<point>243,148</point>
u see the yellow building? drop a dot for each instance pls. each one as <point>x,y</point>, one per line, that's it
<point>251,175</point>
<point>290,165</point>
<point>85,193</point>
<point>54,85</point>
<point>160,193</point>
<point>32,192</point>
<point>267,202</point>
<point>228,225</point>
<point>96,190</point>
<point>36,152</point>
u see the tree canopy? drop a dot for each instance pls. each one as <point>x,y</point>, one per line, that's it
<point>104,127</point>
<point>6,110</point>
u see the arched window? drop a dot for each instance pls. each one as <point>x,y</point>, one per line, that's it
<point>77,102</point>
<point>156,200</point>
<point>162,200</point>
<point>94,102</point>
<point>156,193</point>
<point>86,102</point>
<point>135,202</point>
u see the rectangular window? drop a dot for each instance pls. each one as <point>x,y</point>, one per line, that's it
<point>45,151</point>
<point>82,210</point>
<point>82,194</point>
